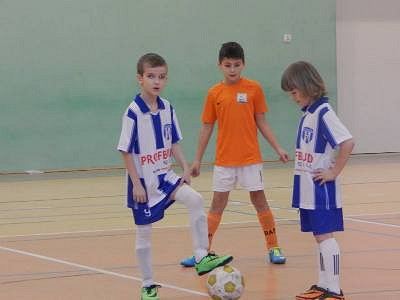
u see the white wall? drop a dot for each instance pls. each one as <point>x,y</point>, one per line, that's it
<point>368,70</point>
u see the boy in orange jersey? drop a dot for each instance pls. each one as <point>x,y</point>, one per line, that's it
<point>238,105</point>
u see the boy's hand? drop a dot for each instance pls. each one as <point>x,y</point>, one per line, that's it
<point>283,155</point>
<point>186,177</point>
<point>324,176</point>
<point>139,194</point>
<point>195,169</point>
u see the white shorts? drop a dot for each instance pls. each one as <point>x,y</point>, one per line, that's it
<point>249,177</point>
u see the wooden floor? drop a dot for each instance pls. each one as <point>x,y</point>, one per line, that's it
<point>69,236</point>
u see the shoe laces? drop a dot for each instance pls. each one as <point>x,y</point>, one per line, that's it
<point>210,256</point>
<point>152,289</point>
<point>276,251</point>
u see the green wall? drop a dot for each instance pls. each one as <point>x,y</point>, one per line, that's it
<point>67,68</point>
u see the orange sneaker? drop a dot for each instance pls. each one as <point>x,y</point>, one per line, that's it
<point>331,296</point>
<point>314,292</point>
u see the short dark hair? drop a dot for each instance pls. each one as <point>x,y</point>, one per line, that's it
<point>150,59</point>
<point>303,76</point>
<point>231,50</point>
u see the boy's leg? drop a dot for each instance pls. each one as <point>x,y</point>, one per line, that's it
<point>194,203</point>
<point>143,253</point>
<point>267,222</point>
<point>330,254</point>
<point>205,262</point>
<point>319,289</point>
<point>323,223</point>
<point>218,204</point>
<point>251,178</point>
<point>224,180</point>
<point>321,269</point>
<point>214,216</point>
<point>328,265</point>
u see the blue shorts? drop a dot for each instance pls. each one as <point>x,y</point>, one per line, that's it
<point>143,214</point>
<point>321,221</point>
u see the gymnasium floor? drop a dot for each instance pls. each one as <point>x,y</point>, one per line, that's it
<point>69,236</point>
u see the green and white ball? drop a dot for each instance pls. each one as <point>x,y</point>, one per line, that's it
<point>225,283</point>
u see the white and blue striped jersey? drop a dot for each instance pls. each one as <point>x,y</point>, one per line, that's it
<point>149,137</point>
<point>320,132</point>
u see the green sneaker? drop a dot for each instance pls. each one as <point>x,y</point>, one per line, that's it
<point>150,292</point>
<point>212,261</point>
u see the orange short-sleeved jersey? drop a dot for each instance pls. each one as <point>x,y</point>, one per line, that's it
<point>234,107</point>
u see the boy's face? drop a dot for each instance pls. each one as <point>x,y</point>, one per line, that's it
<point>299,98</point>
<point>153,80</point>
<point>231,68</point>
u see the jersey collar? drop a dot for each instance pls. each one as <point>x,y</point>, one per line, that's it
<point>143,106</point>
<point>311,108</point>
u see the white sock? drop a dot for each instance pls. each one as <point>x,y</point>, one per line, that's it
<point>321,269</point>
<point>187,196</point>
<point>331,257</point>
<point>143,253</point>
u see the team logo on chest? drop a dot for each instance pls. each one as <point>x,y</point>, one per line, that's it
<point>167,132</point>
<point>307,134</point>
<point>241,97</point>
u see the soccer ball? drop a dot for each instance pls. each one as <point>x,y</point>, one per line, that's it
<point>225,283</point>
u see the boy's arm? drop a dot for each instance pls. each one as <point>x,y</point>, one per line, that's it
<point>139,194</point>
<point>180,159</point>
<point>345,149</point>
<point>269,135</point>
<point>204,137</point>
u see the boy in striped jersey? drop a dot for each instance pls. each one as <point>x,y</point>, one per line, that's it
<point>150,135</point>
<point>315,189</point>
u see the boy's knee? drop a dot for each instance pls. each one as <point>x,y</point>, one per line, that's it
<point>196,200</point>
<point>322,237</point>
<point>189,197</point>
<point>219,202</point>
<point>143,236</point>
